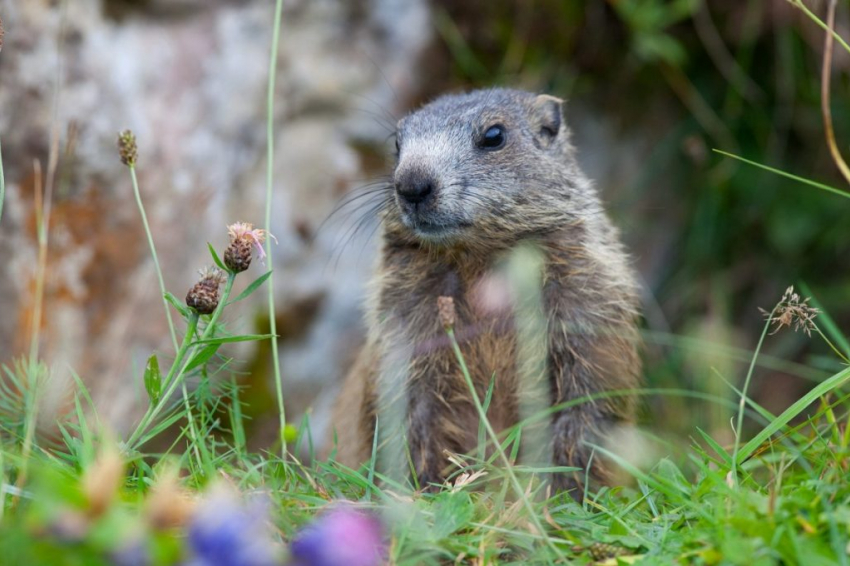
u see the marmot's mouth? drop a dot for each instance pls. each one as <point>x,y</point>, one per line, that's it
<point>431,230</point>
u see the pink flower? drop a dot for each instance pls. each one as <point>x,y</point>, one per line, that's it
<point>256,236</point>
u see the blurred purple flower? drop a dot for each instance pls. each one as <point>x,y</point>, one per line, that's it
<point>225,532</point>
<point>341,537</point>
<point>133,553</point>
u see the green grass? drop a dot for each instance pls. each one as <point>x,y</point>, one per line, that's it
<point>777,496</point>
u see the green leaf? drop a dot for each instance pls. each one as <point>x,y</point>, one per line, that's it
<point>833,382</point>
<point>177,304</point>
<point>153,379</point>
<point>252,287</point>
<point>454,511</point>
<point>216,258</point>
<point>202,357</point>
<point>240,338</point>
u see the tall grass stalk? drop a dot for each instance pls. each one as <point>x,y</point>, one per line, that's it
<point>2,184</point>
<point>482,415</point>
<point>278,11</point>
<point>742,404</point>
<point>153,254</point>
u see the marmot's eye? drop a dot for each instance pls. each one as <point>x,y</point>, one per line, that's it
<point>493,138</point>
<point>397,146</point>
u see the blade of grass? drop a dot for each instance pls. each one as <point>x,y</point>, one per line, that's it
<point>803,180</point>
<point>795,409</point>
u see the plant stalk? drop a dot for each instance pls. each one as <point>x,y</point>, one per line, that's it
<point>278,11</point>
<point>144,216</point>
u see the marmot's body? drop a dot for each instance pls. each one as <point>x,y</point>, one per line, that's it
<point>478,176</point>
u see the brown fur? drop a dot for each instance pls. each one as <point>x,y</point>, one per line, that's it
<point>529,194</point>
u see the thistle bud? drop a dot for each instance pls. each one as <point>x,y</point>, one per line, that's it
<point>203,296</point>
<point>446,311</point>
<point>244,240</point>
<point>127,149</point>
<point>237,256</point>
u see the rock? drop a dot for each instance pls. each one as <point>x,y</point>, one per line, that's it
<point>189,78</point>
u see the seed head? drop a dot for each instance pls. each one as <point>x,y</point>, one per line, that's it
<point>446,311</point>
<point>203,296</point>
<point>127,149</point>
<point>244,239</point>
<point>102,480</point>
<point>600,551</point>
<point>792,311</point>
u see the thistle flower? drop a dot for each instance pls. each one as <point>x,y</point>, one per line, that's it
<point>792,311</point>
<point>203,296</point>
<point>342,537</point>
<point>446,311</point>
<point>226,532</point>
<point>127,149</point>
<point>244,239</point>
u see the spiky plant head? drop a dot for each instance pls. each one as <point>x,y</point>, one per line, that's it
<point>204,295</point>
<point>127,149</point>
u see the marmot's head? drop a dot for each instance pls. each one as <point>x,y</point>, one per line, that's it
<point>483,168</point>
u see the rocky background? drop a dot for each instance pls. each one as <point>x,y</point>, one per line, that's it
<point>652,87</point>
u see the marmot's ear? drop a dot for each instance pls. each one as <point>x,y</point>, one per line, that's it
<point>546,118</point>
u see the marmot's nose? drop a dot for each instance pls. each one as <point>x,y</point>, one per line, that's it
<point>415,190</point>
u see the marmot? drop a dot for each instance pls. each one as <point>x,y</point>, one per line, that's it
<point>476,176</point>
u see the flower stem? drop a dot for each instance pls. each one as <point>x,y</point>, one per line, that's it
<point>153,254</point>
<point>831,345</point>
<point>155,407</point>
<point>269,185</point>
<point>2,183</point>
<point>742,403</point>
<point>174,376</point>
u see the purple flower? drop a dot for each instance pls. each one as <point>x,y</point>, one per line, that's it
<point>341,537</point>
<point>224,532</point>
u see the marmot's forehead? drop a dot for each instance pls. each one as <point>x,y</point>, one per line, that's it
<point>468,108</point>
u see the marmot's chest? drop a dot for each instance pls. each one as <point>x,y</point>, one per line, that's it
<point>488,344</point>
